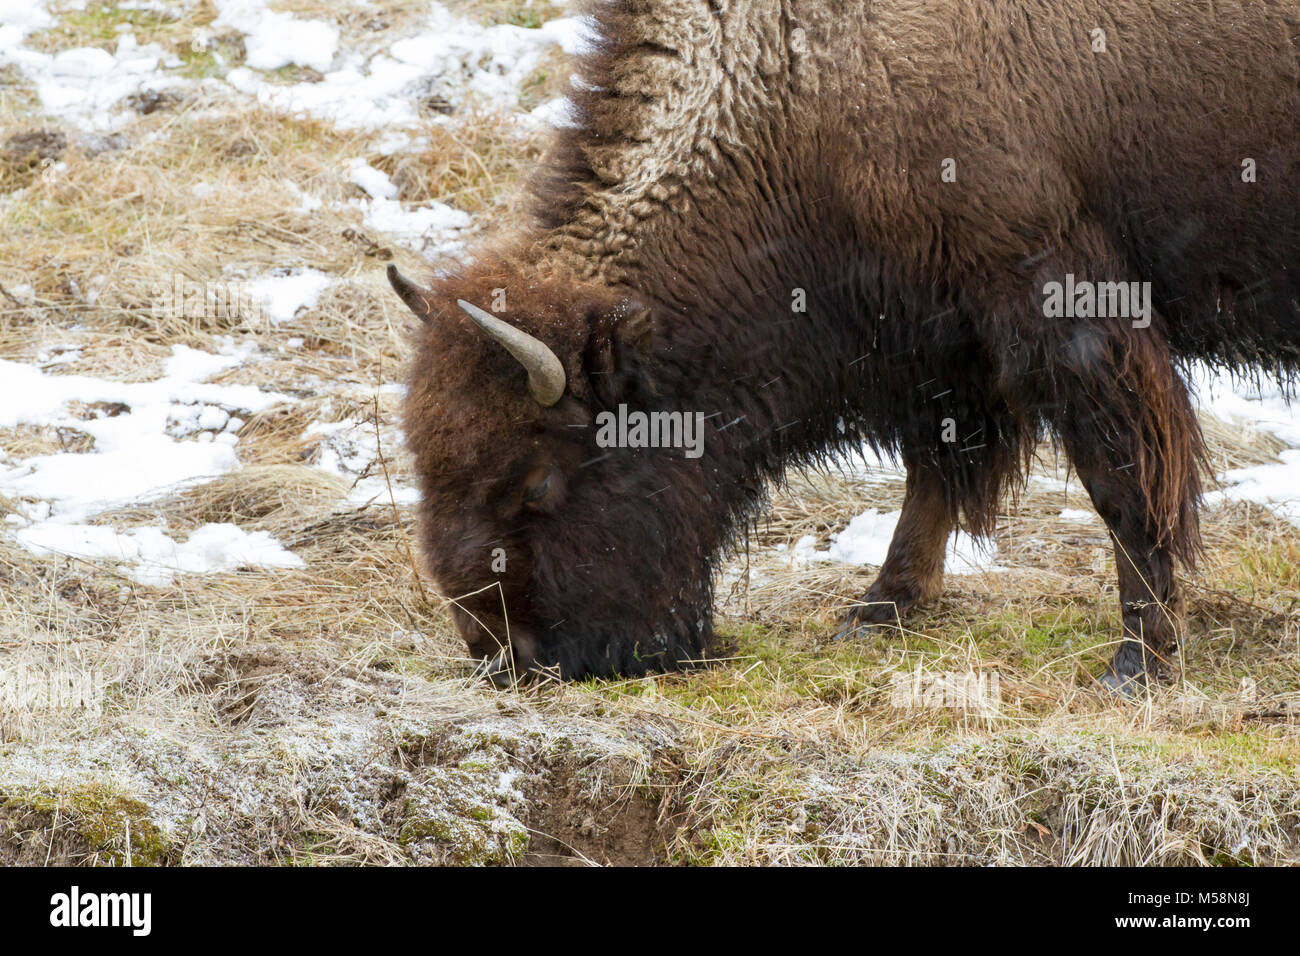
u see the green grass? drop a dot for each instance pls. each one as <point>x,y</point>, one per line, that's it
<point>529,14</point>
<point>98,26</point>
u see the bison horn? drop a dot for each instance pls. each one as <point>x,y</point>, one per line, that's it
<point>409,292</point>
<point>545,372</point>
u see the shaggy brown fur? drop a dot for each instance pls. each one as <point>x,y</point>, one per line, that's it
<point>731,152</point>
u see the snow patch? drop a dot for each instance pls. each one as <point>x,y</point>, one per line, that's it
<point>17,19</point>
<point>134,427</point>
<point>373,181</point>
<point>349,450</point>
<point>434,229</point>
<point>282,296</point>
<point>866,542</point>
<point>85,87</point>
<point>154,558</point>
<point>273,39</point>
<point>1256,405</point>
<point>450,59</point>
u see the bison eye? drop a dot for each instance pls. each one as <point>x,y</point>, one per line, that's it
<point>537,488</point>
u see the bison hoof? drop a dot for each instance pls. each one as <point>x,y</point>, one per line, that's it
<point>1134,668</point>
<point>865,617</point>
<point>1122,686</point>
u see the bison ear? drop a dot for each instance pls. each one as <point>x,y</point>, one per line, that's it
<point>621,370</point>
<point>410,293</point>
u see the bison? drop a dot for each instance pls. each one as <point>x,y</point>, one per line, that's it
<point>947,230</point>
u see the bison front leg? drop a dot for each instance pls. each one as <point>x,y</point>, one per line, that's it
<point>1150,603</point>
<point>1125,420</point>
<point>913,570</point>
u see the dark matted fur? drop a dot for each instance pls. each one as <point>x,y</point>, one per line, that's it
<point>727,153</point>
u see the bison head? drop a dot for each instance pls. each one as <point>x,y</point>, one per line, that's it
<point>558,554</point>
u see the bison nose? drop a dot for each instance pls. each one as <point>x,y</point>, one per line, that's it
<point>514,663</point>
<point>499,670</point>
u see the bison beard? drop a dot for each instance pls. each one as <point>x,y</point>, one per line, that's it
<point>731,161</point>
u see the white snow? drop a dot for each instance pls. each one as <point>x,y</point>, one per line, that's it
<point>148,436</point>
<point>967,555</point>
<point>1275,486</point>
<point>273,39</point>
<point>451,57</point>
<point>575,35</point>
<point>17,19</point>
<point>1256,407</point>
<point>433,229</point>
<point>86,86</point>
<point>866,541</point>
<point>1261,405</point>
<point>444,56</point>
<point>556,113</point>
<point>154,558</point>
<point>306,202</point>
<point>349,449</point>
<point>374,181</point>
<point>282,296</point>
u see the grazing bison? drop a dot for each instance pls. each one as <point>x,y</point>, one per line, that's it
<point>811,224</point>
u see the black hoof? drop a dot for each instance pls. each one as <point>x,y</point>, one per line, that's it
<point>848,630</point>
<point>1123,687</point>
<point>862,620</point>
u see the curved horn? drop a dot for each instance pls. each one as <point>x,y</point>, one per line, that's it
<point>545,373</point>
<point>409,292</point>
